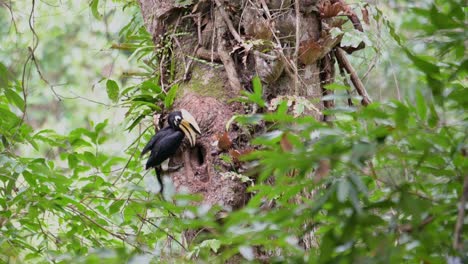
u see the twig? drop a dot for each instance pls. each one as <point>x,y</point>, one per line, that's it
<point>131,157</point>
<point>296,51</point>
<point>343,62</point>
<point>346,83</point>
<point>397,86</point>
<point>114,199</point>
<point>213,31</point>
<point>30,57</point>
<point>164,231</point>
<point>457,237</point>
<point>228,22</point>
<point>224,56</point>
<point>208,55</point>
<point>8,6</point>
<point>116,235</point>
<point>199,29</point>
<point>326,76</point>
<point>291,65</point>
<point>265,56</point>
<point>407,228</point>
<point>48,234</point>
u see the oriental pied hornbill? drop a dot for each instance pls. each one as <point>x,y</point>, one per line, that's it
<point>166,141</point>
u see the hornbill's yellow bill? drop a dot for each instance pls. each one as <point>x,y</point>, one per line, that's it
<point>189,126</point>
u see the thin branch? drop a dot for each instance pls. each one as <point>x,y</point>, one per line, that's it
<point>199,32</point>
<point>29,58</point>
<point>296,51</point>
<point>122,237</point>
<point>48,234</point>
<point>208,55</point>
<point>228,63</point>
<point>346,83</point>
<point>228,22</point>
<point>327,75</point>
<point>397,86</point>
<point>343,62</point>
<point>407,228</point>
<point>8,6</point>
<point>164,231</point>
<point>114,199</point>
<point>85,216</point>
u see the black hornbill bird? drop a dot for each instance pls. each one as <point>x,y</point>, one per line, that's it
<point>166,141</point>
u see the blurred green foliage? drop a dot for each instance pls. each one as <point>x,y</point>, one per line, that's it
<point>379,184</point>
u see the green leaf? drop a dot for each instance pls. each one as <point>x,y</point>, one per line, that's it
<point>421,107</point>
<point>433,117</point>
<point>170,96</point>
<point>14,98</point>
<point>213,244</point>
<point>8,118</point>
<point>72,161</point>
<point>90,158</point>
<point>12,182</point>
<point>401,115</point>
<point>151,85</point>
<point>135,122</point>
<point>112,90</point>
<point>94,9</point>
<point>441,20</point>
<point>258,91</point>
<point>115,206</point>
<point>100,126</point>
<point>183,3</point>
<point>4,76</point>
<point>342,191</point>
<point>423,63</point>
<point>352,39</point>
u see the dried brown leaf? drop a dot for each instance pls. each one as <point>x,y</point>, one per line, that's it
<point>224,142</point>
<point>365,15</point>
<point>309,51</point>
<point>328,10</point>
<point>246,151</point>
<point>235,155</point>
<point>285,143</point>
<point>323,169</point>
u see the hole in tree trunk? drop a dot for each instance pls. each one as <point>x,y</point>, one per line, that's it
<point>197,154</point>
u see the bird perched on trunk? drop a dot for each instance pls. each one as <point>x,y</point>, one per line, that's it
<point>166,141</point>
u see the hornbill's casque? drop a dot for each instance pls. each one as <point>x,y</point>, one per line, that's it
<point>166,141</point>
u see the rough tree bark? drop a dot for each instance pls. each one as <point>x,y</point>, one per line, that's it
<point>218,47</point>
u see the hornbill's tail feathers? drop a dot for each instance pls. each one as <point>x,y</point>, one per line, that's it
<point>158,171</point>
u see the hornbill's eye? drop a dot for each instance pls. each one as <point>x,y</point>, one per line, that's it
<point>177,120</point>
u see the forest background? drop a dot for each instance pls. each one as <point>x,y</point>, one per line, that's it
<point>381,182</point>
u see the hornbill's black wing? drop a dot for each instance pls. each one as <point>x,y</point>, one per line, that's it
<point>164,147</point>
<point>160,134</point>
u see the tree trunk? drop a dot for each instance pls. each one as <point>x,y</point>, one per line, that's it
<point>218,47</point>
